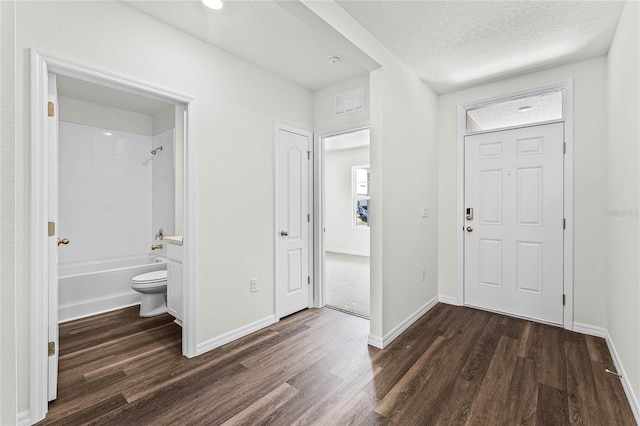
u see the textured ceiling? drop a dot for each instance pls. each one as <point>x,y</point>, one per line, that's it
<point>260,32</point>
<point>456,44</point>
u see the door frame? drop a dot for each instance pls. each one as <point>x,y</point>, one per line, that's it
<point>41,65</point>
<point>319,204</point>
<point>566,86</point>
<point>277,126</point>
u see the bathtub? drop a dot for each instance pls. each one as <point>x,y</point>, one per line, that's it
<point>91,288</point>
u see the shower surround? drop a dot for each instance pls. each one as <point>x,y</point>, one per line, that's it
<point>113,198</point>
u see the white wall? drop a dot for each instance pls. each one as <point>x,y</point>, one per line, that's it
<point>340,233</point>
<point>622,210</point>
<point>236,104</point>
<point>590,177</point>
<point>324,117</point>
<point>91,114</point>
<point>8,367</point>
<point>105,190</point>
<point>162,186</point>
<point>164,120</point>
<point>403,116</point>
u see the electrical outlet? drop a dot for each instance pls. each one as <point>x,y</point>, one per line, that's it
<point>425,212</point>
<point>253,285</point>
<point>422,274</point>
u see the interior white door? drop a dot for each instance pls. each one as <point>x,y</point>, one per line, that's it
<point>52,173</point>
<point>514,222</point>
<point>293,148</point>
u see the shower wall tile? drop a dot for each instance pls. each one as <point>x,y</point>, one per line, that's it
<point>102,166</point>
<point>78,164</point>
<point>106,187</point>
<point>102,141</point>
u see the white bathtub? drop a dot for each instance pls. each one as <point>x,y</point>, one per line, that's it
<point>93,287</point>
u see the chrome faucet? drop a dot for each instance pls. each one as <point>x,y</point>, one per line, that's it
<point>160,234</point>
<point>156,247</point>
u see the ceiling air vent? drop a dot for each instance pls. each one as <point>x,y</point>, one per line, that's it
<point>350,101</point>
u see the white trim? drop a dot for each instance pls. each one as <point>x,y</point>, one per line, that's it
<point>318,205</point>
<point>567,111</point>
<point>96,307</point>
<point>41,65</point>
<point>232,335</point>
<point>23,418</point>
<point>351,252</point>
<point>617,363</point>
<point>591,330</point>
<point>450,300</point>
<point>277,126</point>
<point>375,341</point>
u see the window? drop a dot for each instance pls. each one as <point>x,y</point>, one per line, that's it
<point>531,109</point>
<point>361,196</point>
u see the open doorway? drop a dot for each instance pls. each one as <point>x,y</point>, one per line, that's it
<point>346,222</point>
<point>95,172</point>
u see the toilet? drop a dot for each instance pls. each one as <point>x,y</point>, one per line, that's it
<point>153,289</point>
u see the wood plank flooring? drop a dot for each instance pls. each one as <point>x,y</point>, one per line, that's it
<point>454,366</point>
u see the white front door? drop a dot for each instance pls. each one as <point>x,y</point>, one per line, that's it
<point>293,210</point>
<point>514,232</point>
<point>52,173</point>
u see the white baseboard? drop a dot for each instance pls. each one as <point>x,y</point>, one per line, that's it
<point>232,335</point>
<point>351,252</point>
<point>23,419</point>
<point>383,342</point>
<point>449,300</point>
<point>375,341</point>
<point>95,307</point>
<point>591,330</point>
<point>617,363</point>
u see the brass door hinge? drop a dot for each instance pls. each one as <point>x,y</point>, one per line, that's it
<point>564,299</point>
<point>52,348</point>
<point>564,148</point>
<point>52,229</point>
<point>51,109</point>
<point>564,223</point>
<point>308,279</point>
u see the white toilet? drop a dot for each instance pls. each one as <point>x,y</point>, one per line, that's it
<point>153,286</point>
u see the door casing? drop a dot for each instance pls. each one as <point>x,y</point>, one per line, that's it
<point>41,161</point>
<point>566,86</point>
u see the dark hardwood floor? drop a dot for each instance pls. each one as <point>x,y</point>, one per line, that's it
<point>454,366</point>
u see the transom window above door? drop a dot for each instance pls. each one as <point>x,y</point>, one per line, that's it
<point>537,108</point>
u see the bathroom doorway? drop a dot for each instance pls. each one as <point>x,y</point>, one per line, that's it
<point>94,146</point>
<point>345,213</point>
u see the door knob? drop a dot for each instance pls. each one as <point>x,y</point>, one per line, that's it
<point>283,233</point>
<point>64,241</point>
<point>469,229</point>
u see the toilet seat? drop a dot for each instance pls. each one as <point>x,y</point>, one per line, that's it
<point>150,277</point>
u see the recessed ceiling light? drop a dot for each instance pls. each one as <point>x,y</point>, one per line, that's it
<point>213,4</point>
<point>525,108</point>
<point>334,59</point>
<point>107,133</point>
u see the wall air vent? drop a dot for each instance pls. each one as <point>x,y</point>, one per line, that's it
<point>350,101</point>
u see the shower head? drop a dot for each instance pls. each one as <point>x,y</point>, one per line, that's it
<point>155,150</point>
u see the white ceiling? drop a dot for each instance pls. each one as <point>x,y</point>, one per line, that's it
<point>99,94</point>
<point>263,33</point>
<point>456,44</point>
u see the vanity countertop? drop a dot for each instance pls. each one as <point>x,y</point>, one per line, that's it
<point>176,239</point>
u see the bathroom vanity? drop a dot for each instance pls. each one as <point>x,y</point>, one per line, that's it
<point>174,277</point>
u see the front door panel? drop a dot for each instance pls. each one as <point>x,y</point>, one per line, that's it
<point>514,239</point>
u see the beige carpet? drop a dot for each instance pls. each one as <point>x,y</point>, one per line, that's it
<point>347,283</point>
